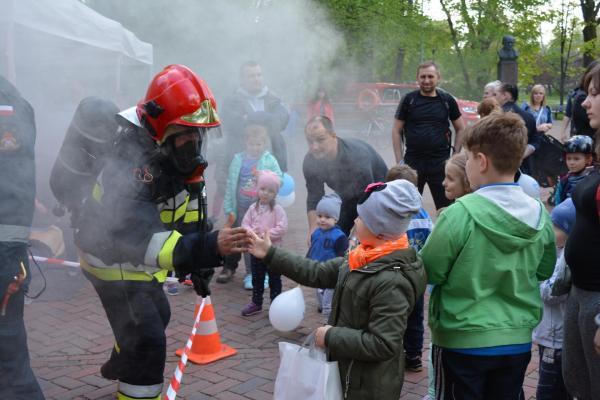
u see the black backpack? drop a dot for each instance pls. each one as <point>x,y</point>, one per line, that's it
<point>442,95</point>
<point>579,118</point>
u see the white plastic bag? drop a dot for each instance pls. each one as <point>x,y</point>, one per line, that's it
<point>305,374</point>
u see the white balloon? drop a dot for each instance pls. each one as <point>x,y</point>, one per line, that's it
<point>287,310</point>
<point>529,186</point>
<point>286,201</point>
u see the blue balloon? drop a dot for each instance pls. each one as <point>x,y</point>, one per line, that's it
<point>288,185</point>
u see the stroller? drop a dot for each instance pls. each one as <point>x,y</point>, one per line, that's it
<point>549,163</point>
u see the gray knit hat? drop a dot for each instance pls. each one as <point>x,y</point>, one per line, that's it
<point>330,205</point>
<point>387,212</point>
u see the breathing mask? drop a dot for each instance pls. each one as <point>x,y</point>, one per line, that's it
<point>185,150</point>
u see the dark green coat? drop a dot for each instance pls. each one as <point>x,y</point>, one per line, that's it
<point>369,311</point>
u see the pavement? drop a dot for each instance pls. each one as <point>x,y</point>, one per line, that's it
<point>69,336</point>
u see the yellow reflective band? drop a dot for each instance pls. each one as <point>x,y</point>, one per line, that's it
<point>167,216</point>
<point>191,216</point>
<point>165,256</point>
<point>97,192</point>
<point>161,275</point>
<point>117,348</point>
<point>116,274</point>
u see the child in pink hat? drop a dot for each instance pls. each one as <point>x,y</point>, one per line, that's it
<point>265,216</point>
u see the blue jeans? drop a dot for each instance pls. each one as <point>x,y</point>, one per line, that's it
<point>551,385</point>
<point>413,336</point>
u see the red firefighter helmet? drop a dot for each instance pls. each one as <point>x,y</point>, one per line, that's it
<point>177,96</point>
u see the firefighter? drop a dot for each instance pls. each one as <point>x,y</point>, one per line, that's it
<point>146,217</point>
<point>17,191</point>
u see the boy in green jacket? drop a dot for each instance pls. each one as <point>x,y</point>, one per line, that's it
<point>485,257</point>
<point>376,287</point>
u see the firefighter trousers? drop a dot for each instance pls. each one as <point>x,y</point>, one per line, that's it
<point>138,313</point>
<point>17,381</point>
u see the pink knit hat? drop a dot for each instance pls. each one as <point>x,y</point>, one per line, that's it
<point>268,179</point>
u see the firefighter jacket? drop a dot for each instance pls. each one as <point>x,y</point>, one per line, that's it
<point>17,166</point>
<point>141,221</point>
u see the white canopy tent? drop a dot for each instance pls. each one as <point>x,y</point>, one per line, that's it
<point>59,51</point>
<point>67,42</point>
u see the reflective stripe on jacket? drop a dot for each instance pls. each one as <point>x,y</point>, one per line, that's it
<point>174,212</point>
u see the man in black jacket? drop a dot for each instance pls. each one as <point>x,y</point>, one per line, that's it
<point>345,165</point>
<point>251,96</point>
<point>17,190</point>
<point>507,96</point>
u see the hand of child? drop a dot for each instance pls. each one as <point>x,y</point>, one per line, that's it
<point>259,247</point>
<point>320,336</point>
<point>230,221</point>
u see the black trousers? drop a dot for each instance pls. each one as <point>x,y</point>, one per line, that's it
<point>413,336</point>
<point>16,377</point>
<point>467,377</point>
<point>431,172</point>
<point>259,270</point>
<point>138,313</point>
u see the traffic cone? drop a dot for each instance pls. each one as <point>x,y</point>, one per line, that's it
<point>206,344</point>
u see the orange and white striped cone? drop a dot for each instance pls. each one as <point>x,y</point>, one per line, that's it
<point>206,344</point>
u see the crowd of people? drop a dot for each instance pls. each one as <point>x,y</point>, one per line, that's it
<point>502,272</point>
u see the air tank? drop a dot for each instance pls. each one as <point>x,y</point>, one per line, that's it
<point>82,156</point>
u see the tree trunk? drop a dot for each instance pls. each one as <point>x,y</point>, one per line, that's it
<point>589,9</point>
<point>459,53</point>
<point>399,65</point>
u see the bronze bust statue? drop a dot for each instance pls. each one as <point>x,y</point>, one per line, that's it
<point>508,51</point>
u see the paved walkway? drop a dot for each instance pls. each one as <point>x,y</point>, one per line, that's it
<point>69,336</point>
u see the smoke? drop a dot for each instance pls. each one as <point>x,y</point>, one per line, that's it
<point>59,53</point>
<point>293,41</point>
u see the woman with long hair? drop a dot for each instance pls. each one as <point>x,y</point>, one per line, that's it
<point>581,346</point>
<point>538,108</point>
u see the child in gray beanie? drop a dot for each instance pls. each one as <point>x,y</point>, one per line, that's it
<point>326,242</point>
<point>376,285</point>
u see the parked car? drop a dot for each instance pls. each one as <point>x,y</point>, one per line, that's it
<point>385,97</point>
<point>367,109</point>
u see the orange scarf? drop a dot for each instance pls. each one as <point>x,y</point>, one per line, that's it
<point>363,255</point>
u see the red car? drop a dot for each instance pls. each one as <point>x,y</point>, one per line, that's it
<point>385,97</point>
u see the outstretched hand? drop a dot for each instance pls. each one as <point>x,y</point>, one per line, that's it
<point>233,240</point>
<point>259,247</point>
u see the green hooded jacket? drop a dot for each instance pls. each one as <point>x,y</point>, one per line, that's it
<point>369,311</point>
<point>486,265</point>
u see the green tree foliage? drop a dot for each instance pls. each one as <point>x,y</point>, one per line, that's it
<point>376,32</point>
<point>476,29</point>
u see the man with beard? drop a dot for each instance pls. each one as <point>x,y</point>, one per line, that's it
<point>422,125</point>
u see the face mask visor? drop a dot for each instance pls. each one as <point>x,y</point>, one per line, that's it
<point>186,150</point>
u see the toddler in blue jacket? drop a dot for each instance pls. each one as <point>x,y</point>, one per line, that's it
<point>327,242</point>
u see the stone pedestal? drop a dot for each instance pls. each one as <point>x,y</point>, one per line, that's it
<point>508,72</point>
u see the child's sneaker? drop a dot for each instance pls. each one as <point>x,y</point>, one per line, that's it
<point>413,364</point>
<point>172,288</point>
<point>266,281</point>
<point>248,282</point>
<point>251,309</point>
